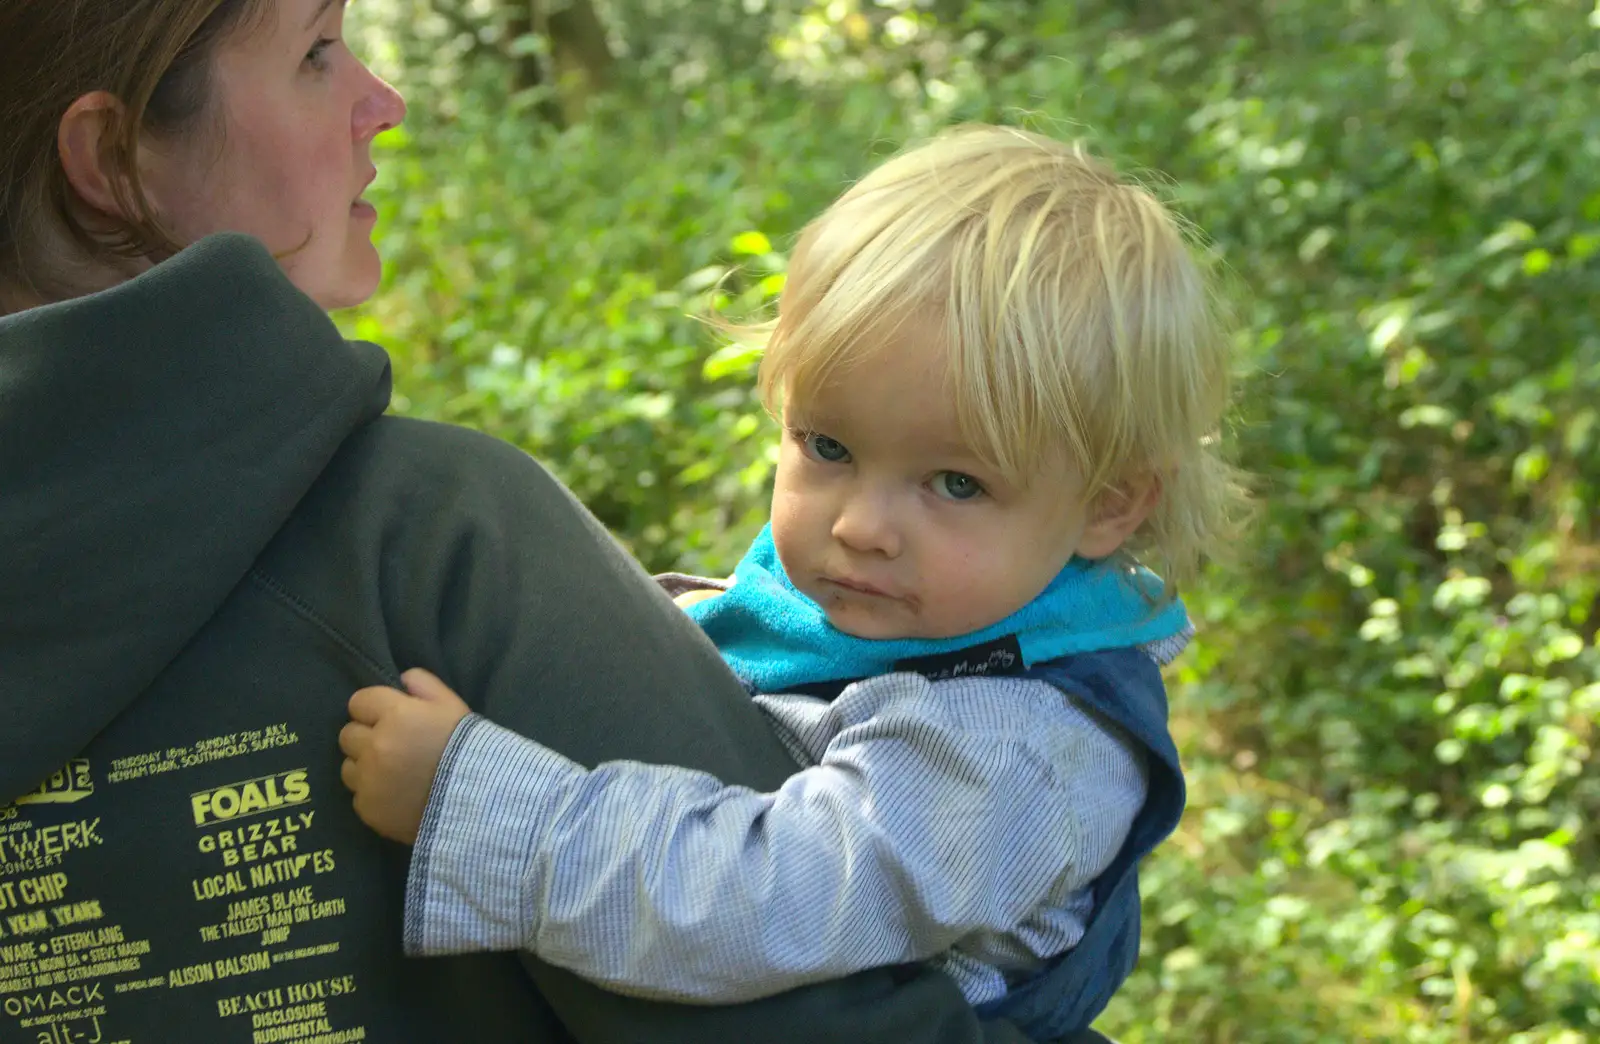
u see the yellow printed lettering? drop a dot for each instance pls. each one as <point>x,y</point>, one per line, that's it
<point>218,885</point>
<point>75,942</point>
<point>55,1000</point>
<point>248,797</point>
<point>47,889</point>
<point>279,870</point>
<point>248,908</point>
<point>28,923</point>
<point>227,967</point>
<point>322,989</point>
<point>77,913</point>
<point>293,897</point>
<point>193,975</point>
<point>16,953</point>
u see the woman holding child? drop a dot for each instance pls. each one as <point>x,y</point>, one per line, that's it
<point>214,535</point>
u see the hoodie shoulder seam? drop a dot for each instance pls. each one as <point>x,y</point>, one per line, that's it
<point>278,592</point>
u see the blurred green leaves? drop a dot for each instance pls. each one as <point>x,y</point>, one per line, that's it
<point>1391,718</point>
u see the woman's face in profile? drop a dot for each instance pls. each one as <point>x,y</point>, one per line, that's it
<point>289,154</point>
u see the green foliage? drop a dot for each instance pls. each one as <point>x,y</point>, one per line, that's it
<point>1391,718</point>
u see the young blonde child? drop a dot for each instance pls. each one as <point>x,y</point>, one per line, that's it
<point>1000,373</point>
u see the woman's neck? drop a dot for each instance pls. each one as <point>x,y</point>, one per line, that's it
<point>60,270</point>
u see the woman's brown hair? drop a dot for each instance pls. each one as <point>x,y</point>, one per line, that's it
<point>154,56</point>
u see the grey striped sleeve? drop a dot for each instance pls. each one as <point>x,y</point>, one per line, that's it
<point>961,818</point>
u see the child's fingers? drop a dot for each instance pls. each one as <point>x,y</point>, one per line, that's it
<point>347,775</point>
<point>370,704</point>
<point>689,598</point>
<point>425,685</point>
<point>354,739</point>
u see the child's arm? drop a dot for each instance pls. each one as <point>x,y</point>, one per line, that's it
<point>928,819</point>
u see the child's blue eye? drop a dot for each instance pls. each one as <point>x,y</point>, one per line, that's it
<point>953,485</point>
<point>823,448</point>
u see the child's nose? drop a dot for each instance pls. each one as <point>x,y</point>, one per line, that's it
<point>867,525</point>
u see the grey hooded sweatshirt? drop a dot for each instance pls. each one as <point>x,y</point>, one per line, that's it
<point>210,535</point>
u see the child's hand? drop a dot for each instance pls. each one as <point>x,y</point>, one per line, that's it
<point>392,748</point>
<point>689,598</point>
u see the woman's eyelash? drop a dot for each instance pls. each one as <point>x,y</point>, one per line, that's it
<point>319,50</point>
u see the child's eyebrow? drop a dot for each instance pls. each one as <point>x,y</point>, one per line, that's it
<point>954,448</point>
<point>810,420</point>
<point>951,446</point>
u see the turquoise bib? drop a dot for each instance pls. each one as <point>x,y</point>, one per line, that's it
<point>778,640</point>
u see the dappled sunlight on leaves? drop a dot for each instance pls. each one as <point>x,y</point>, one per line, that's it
<point>1391,717</point>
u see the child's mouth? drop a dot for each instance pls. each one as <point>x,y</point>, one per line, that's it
<point>858,587</point>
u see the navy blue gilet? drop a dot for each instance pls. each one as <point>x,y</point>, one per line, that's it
<point>1070,992</point>
<point>1094,634</point>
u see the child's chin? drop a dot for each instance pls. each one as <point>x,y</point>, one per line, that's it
<point>858,624</point>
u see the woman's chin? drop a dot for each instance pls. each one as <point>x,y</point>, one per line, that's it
<point>357,282</point>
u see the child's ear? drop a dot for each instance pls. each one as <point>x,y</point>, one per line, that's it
<point>1116,514</point>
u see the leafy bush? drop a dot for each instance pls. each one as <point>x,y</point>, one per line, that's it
<point>1391,718</point>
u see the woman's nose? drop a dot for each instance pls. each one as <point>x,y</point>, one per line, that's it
<point>381,108</point>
